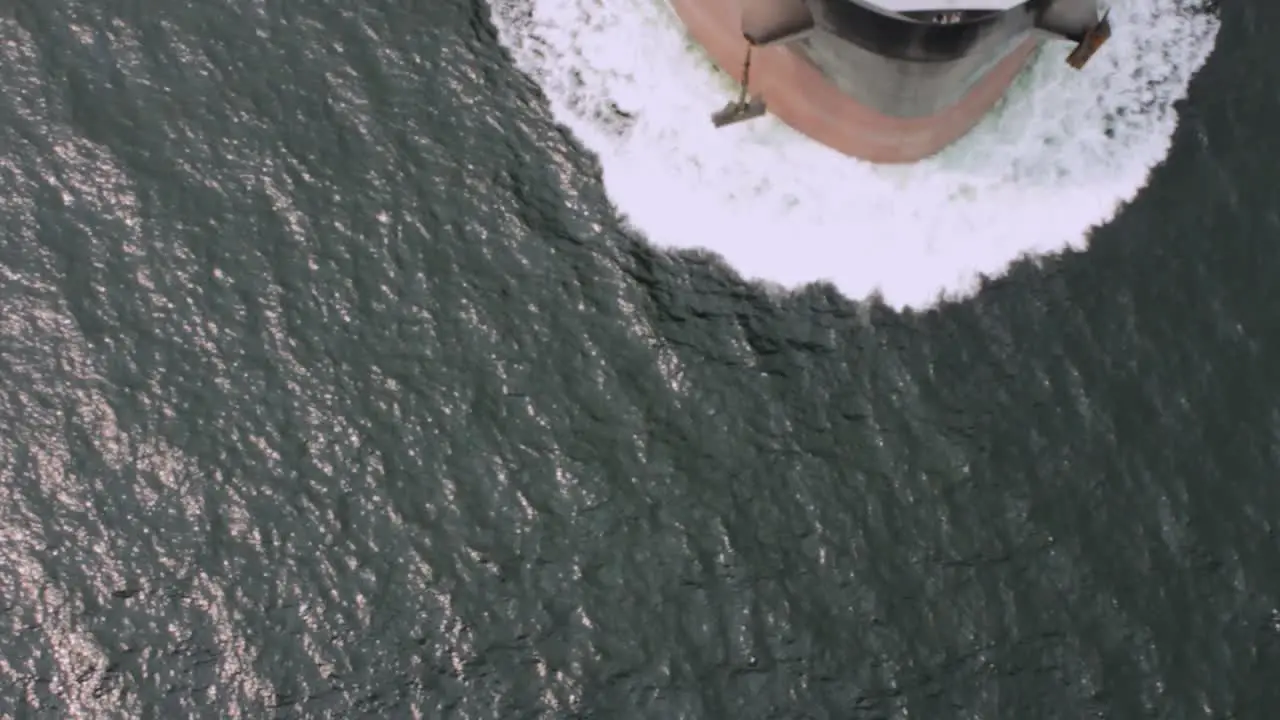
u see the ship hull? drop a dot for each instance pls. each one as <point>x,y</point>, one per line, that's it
<point>813,102</point>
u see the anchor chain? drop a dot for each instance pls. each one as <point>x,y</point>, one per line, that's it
<point>746,78</point>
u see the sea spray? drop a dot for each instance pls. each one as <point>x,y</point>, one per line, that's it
<point>1058,156</point>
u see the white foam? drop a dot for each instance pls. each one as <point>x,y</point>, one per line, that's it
<point>1033,178</point>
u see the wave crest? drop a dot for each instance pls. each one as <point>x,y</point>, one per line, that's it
<point>1060,155</point>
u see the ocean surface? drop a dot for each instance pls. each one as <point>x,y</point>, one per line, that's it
<point>340,378</point>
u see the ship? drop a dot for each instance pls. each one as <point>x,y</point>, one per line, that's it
<point>887,81</point>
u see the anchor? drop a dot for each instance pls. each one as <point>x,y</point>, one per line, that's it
<point>764,23</point>
<point>743,108</point>
<point>1089,43</point>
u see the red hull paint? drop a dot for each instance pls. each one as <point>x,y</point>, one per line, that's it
<point>800,96</point>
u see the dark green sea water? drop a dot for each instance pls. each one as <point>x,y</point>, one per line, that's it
<point>331,387</point>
